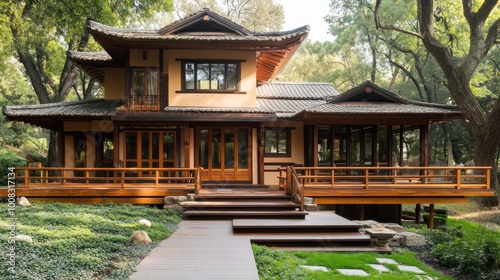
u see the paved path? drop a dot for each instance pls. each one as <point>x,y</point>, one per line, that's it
<point>200,250</point>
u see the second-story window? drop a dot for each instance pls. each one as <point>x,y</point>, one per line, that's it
<point>145,88</point>
<point>221,76</point>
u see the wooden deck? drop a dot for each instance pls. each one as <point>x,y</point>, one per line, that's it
<point>213,250</point>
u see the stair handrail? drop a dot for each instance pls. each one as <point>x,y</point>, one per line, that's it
<point>197,180</point>
<point>295,187</point>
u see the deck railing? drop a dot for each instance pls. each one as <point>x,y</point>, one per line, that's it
<point>294,188</point>
<point>477,178</point>
<point>32,177</point>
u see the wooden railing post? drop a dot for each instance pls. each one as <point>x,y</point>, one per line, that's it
<point>458,177</point>
<point>27,177</point>
<point>333,177</point>
<point>366,178</point>
<point>488,178</point>
<point>288,180</point>
<point>157,178</point>
<point>122,182</point>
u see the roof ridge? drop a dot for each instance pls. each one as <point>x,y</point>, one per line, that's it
<point>54,104</point>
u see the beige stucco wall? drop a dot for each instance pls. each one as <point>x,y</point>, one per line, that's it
<point>114,83</point>
<point>151,59</point>
<point>247,83</point>
<point>297,150</point>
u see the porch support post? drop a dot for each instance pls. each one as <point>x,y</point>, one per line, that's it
<point>116,145</point>
<point>424,145</point>
<point>431,216</point>
<point>260,141</point>
<point>185,139</point>
<point>417,214</point>
<point>60,145</point>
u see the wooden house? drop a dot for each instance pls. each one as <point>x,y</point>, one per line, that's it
<point>194,104</point>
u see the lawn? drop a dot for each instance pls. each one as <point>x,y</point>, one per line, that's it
<point>81,241</point>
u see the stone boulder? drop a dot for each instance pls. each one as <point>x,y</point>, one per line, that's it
<point>140,237</point>
<point>23,238</point>
<point>23,201</point>
<point>411,239</point>
<point>145,222</point>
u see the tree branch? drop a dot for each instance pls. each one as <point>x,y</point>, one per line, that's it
<point>379,25</point>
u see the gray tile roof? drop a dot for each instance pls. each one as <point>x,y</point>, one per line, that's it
<point>128,33</point>
<point>86,108</point>
<point>90,56</point>
<point>303,91</point>
<point>378,108</point>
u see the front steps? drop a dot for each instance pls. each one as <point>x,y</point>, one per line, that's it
<point>229,205</point>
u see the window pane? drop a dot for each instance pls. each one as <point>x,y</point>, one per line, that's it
<point>138,83</point>
<point>217,73</point>
<point>355,146</point>
<point>229,148</point>
<point>270,141</point>
<point>155,139</point>
<point>282,141</point>
<point>189,75</point>
<point>108,148</point>
<point>242,148</point>
<point>324,146</point>
<point>168,145</point>
<point>340,145</point>
<point>232,76</point>
<point>145,145</point>
<point>131,145</point>
<point>203,75</point>
<point>152,87</point>
<point>203,135</point>
<point>216,148</point>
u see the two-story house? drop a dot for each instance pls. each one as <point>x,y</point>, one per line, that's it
<point>200,93</point>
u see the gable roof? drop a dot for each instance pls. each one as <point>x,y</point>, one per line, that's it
<point>203,19</point>
<point>369,91</point>
<point>202,30</point>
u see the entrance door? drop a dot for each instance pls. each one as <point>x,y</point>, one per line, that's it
<point>150,149</point>
<point>224,153</point>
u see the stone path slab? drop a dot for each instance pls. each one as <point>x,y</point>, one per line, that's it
<point>353,272</point>
<point>411,268</point>
<point>379,267</point>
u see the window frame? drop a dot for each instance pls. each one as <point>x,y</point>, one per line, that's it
<point>288,139</point>
<point>210,62</point>
<point>147,72</point>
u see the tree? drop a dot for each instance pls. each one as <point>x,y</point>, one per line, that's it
<point>43,31</point>
<point>255,15</point>
<point>482,26</point>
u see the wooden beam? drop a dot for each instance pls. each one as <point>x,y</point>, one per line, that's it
<point>389,200</point>
<point>431,216</point>
<point>60,145</point>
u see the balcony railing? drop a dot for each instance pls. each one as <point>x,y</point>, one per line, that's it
<point>147,102</point>
<point>390,178</point>
<point>106,177</point>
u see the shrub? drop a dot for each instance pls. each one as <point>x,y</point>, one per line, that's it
<point>9,159</point>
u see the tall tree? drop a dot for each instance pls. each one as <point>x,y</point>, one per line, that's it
<point>43,31</point>
<point>481,23</point>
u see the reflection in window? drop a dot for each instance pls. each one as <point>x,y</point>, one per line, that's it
<point>277,142</point>
<point>210,75</point>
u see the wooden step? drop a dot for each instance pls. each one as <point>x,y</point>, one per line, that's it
<point>240,205</point>
<point>242,196</point>
<point>327,240</point>
<point>370,248</point>
<point>232,214</point>
<point>315,222</point>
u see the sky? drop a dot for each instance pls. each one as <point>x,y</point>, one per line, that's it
<point>311,12</point>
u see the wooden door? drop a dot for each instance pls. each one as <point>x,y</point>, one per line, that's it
<point>224,153</point>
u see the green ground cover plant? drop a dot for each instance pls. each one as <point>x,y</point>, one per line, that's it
<point>81,241</point>
<point>275,264</point>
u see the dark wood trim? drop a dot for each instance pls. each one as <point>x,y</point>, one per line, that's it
<point>128,74</point>
<point>260,142</point>
<point>202,60</point>
<point>211,91</point>
<point>116,144</point>
<point>424,146</point>
<point>401,143</point>
<point>61,145</point>
<point>389,142</point>
<point>163,81</point>
<point>186,141</point>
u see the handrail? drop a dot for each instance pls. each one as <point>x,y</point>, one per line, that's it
<point>294,187</point>
<point>64,176</point>
<point>448,177</point>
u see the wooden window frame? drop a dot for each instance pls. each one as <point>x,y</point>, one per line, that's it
<point>210,62</point>
<point>147,105</point>
<point>288,142</point>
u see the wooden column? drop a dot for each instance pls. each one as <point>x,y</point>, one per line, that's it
<point>260,165</point>
<point>60,145</point>
<point>424,145</point>
<point>417,214</point>
<point>186,141</point>
<point>401,135</point>
<point>116,144</point>
<point>431,216</point>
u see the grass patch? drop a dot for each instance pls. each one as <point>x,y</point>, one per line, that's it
<point>82,241</point>
<point>286,265</point>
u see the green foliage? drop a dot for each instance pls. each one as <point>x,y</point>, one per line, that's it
<point>8,159</point>
<point>82,241</point>
<point>274,264</point>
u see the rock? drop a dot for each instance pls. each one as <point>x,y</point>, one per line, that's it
<point>169,200</point>
<point>190,196</point>
<point>411,239</point>
<point>145,222</point>
<point>396,241</point>
<point>308,200</point>
<point>23,201</point>
<point>181,199</point>
<point>175,207</point>
<point>140,237</point>
<point>23,238</point>
<point>395,227</point>
<point>310,207</point>
<point>368,224</point>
